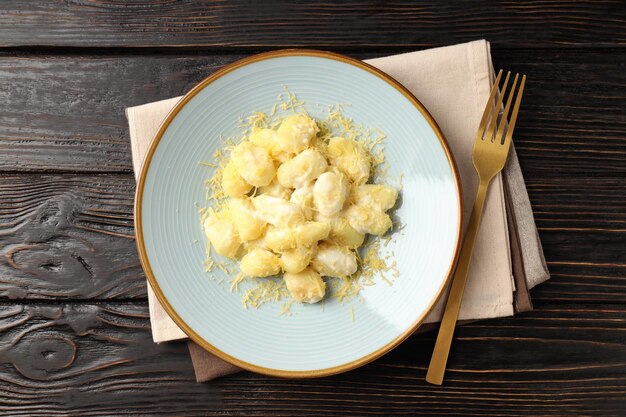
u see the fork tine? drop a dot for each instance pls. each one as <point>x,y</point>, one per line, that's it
<point>488,108</point>
<point>505,114</point>
<point>518,100</point>
<point>492,124</point>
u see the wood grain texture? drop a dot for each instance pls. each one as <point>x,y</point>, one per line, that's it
<point>90,359</point>
<point>68,237</point>
<point>571,121</point>
<point>72,118</point>
<point>63,114</point>
<point>98,359</point>
<point>582,224</point>
<point>341,24</point>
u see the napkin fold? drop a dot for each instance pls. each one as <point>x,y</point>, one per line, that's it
<point>453,83</point>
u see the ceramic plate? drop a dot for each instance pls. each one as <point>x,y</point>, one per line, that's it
<point>315,340</point>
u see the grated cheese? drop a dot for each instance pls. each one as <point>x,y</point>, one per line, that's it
<point>290,102</point>
<point>264,291</point>
<point>285,309</point>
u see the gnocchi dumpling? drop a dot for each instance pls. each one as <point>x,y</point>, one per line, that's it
<point>268,139</point>
<point>334,261</point>
<point>222,234</point>
<point>342,233</point>
<point>307,234</point>
<point>274,189</point>
<point>278,212</point>
<point>306,286</point>
<point>249,225</point>
<point>301,169</point>
<point>351,157</point>
<point>260,263</point>
<point>296,259</point>
<point>253,163</point>
<point>374,196</point>
<point>365,220</point>
<point>233,184</point>
<point>330,192</point>
<point>303,197</point>
<point>282,157</point>
<point>295,133</point>
<point>258,243</point>
<point>265,138</point>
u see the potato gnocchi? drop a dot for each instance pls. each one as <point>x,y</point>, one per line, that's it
<point>298,204</point>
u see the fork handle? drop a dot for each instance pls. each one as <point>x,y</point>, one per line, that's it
<point>438,361</point>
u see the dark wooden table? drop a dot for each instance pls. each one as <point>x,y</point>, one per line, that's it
<point>75,331</point>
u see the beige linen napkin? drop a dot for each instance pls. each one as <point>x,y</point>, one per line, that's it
<point>453,83</point>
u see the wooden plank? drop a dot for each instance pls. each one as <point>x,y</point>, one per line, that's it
<point>67,113</point>
<point>97,360</point>
<point>68,237</point>
<point>71,236</point>
<point>570,122</point>
<point>583,230</point>
<point>91,360</point>
<point>365,24</point>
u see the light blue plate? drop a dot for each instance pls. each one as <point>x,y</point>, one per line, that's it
<point>314,341</point>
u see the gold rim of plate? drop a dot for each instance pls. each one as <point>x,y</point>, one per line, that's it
<point>139,231</point>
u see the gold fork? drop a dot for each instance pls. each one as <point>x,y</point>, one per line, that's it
<point>490,152</point>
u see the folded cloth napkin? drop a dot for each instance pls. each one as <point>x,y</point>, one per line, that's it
<point>453,83</point>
